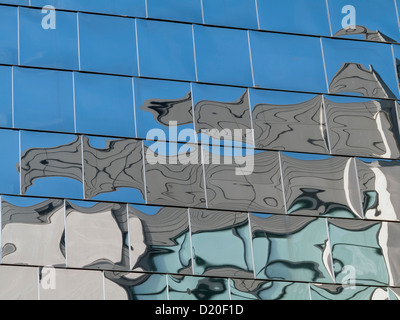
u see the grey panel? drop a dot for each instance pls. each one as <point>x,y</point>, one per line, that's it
<point>160,239</point>
<point>318,185</point>
<point>19,283</point>
<point>33,231</point>
<point>135,286</point>
<point>96,235</point>
<point>232,257</point>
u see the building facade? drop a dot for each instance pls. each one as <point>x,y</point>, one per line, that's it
<point>200,149</point>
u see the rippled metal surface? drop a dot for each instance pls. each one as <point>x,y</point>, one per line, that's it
<point>33,231</point>
<point>363,127</point>
<point>360,250</point>
<point>338,292</point>
<point>296,126</point>
<point>321,185</point>
<point>173,182</point>
<point>259,190</point>
<point>134,286</point>
<point>72,285</point>
<point>268,290</point>
<point>197,288</point>
<point>232,257</point>
<point>379,184</point>
<point>23,286</point>
<point>159,239</point>
<point>291,248</point>
<point>113,169</point>
<point>97,235</point>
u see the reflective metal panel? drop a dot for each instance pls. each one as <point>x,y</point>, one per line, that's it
<point>380,188</point>
<point>321,185</point>
<point>166,50</point>
<point>113,169</point>
<point>18,283</point>
<point>71,285</point>
<point>252,182</point>
<point>232,13</point>
<point>20,2</point>
<point>33,231</point>
<point>174,174</point>
<point>107,44</point>
<point>51,165</point>
<point>394,294</point>
<point>104,105</point>
<point>136,8</point>
<point>278,66</point>
<point>294,16</point>
<point>222,56</point>
<point>34,109</point>
<point>374,20</point>
<point>359,250</point>
<point>6,116</point>
<point>289,121</point>
<point>195,288</point>
<point>163,110</point>
<point>268,290</point>
<point>51,48</point>
<point>363,127</point>
<point>222,114</point>
<point>160,239</point>
<point>232,257</point>
<point>338,292</point>
<point>180,10</point>
<point>97,235</point>
<point>9,35</point>
<point>135,286</point>
<point>291,248</point>
<point>360,68</point>
<point>9,163</point>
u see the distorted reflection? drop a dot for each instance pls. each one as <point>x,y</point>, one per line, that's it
<point>366,33</point>
<point>321,185</point>
<point>380,188</point>
<point>338,292</point>
<point>252,182</point>
<point>113,169</point>
<point>293,121</point>
<point>97,235</point>
<point>363,127</point>
<point>268,290</point>
<point>197,288</point>
<point>291,248</point>
<point>394,294</point>
<point>360,251</point>
<point>232,257</point>
<point>134,286</point>
<point>33,231</point>
<point>159,239</point>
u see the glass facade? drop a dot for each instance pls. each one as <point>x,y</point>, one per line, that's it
<point>200,149</point>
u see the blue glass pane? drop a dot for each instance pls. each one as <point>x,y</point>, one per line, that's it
<point>374,20</point>
<point>360,68</point>
<point>294,16</point>
<point>19,2</point>
<point>51,165</point>
<point>166,50</point>
<point>43,100</point>
<point>8,35</point>
<point>164,110</point>
<point>104,105</point>
<point>179,10</point>
<point>107,44</point>
<point>223,56</point>
<point>9,167</point>
<point>287,62</point>
<point>5,96</point>
<point>53,48</point>
<point>234,13</point>
<point>135,8</point>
